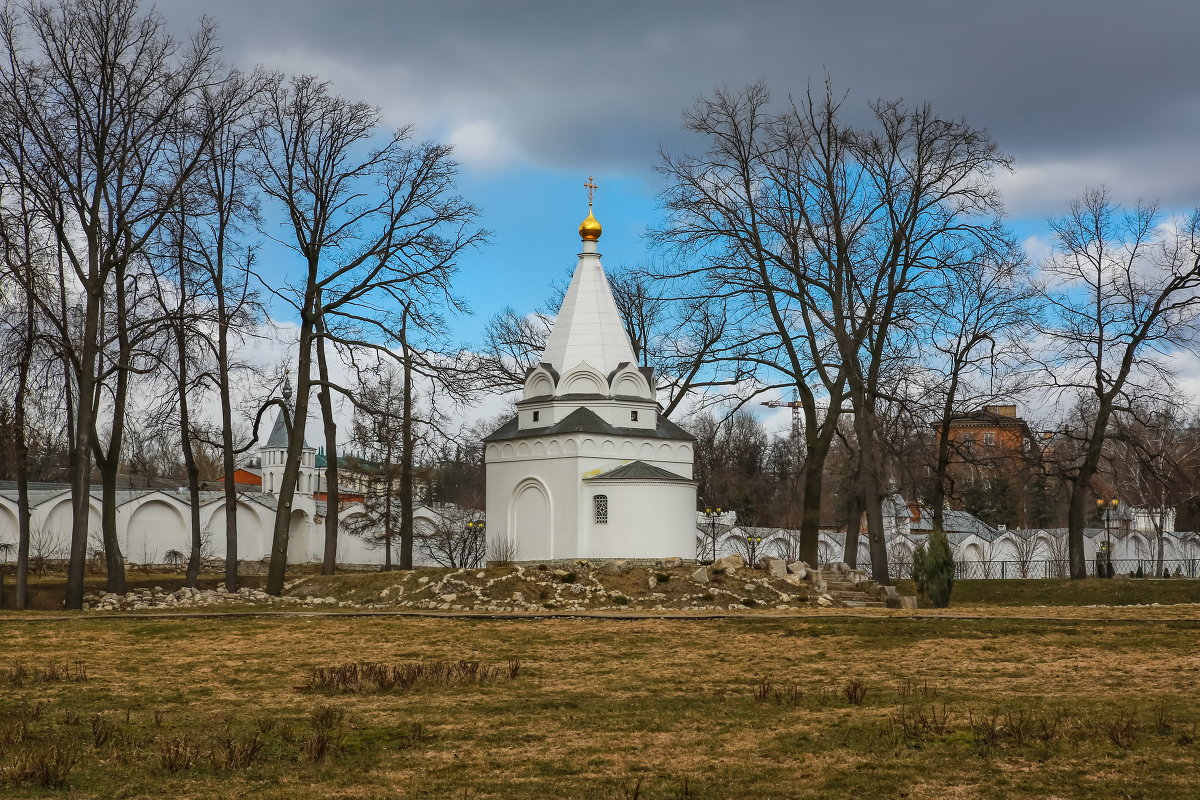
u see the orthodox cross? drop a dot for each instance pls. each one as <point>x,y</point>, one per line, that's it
<point>591,186</point>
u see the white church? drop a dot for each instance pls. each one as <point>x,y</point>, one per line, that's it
<point>589,468</point>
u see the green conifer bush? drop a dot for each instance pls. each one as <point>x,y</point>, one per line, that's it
<point>939,570</point>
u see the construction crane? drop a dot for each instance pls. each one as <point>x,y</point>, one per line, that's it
<point>794,405</point>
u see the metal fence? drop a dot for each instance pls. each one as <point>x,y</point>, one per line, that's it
<point>1059,568</point>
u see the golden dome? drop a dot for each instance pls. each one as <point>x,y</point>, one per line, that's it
<point>589,229</point>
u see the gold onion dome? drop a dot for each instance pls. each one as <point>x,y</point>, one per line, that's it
<point>589,229</point>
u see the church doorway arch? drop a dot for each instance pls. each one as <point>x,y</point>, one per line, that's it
<point>530,523</point>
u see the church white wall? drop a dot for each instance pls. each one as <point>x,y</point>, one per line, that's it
<point>645,520</point>
<point>519,472</point>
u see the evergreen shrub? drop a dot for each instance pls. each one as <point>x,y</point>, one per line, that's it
<point>918,570</point>
<point>939,569</point>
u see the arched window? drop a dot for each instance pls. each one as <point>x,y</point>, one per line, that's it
<point>600,502</point>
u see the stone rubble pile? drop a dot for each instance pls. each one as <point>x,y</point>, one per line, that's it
<point>187,597</point>
<point>726,584</point>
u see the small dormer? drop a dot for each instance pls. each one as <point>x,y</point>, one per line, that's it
<point>629,382</point>
<point>540,382</point>
<point>583,379</point>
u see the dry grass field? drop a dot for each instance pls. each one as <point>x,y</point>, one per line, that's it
<point>820,707</point>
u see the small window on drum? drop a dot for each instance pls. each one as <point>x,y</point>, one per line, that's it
<point>601,507</point>
<point>536,415</point>
<point>633,416</point>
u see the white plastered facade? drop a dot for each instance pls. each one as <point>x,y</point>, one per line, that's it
<point>589,468</point>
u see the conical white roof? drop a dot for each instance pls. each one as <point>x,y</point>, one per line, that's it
<point>588,329</point>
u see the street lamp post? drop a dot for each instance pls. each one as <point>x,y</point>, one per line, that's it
<point>475,536</point>
<point>752,543</point>
<point>1107,509</point>
<point>712,515</point>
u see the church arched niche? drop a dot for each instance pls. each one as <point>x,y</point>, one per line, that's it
<point>555,448</point>
<point>508,451</point>
<point>608,448</point>
<point>54,540</point>
<point>588,447</point>
<point>8,524</point>
<point>570,448</point>
<point>299,531</point>
<point>647,450</point>
<point>251,545</point>
<point>628,450</point>
<point>539,450</point>
<point>584,380</point>
<point>523,450</point>
<point>492,451</point>
<point>664,451</point>
<point>530,522</point>
<point>154,528</point>
<point>540,383</point>
<point>628,381</point>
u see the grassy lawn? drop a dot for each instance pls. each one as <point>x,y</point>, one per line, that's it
<point>1052,592</point>
<point>753,708</point>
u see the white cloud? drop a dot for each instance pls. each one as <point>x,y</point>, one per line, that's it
<point>480,143</point>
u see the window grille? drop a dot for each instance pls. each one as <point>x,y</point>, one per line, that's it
<point>633,416</point>
<point>601,503</point>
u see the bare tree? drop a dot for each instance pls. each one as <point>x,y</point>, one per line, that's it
<point>24,243</point>
<point>1059,556</point>
<point>231,209</point>
<point>1122,294</point>
<point>1025,552</point>
<point>822,236</point>
<point>91,104</point>
<point>454,538</point>
<point>376,228</point>
<point>975,316</point>
<point>1154,460</point>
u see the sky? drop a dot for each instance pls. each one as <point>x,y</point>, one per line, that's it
<point>537,96</point>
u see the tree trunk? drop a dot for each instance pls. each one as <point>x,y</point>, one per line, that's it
<point>1081,490</point>
<point>295,452</point>
<point>81,453</point>
<point>810,510</point>
<point>189,464</point>
<point>406,469</point>
<point>110,462</point>
<point>853,526</point>
<point>227,459</point>
<point>388,497</point>
<point>325,396</point>
<point>185,422</point>
<point>871,484</point>
<point>1160,528</point>
<point>22,443</point>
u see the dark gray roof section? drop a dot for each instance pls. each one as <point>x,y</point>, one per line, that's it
<point>279,434</point>
<point>584,420</point>
<point>639,471</point>
<point>954,522</point>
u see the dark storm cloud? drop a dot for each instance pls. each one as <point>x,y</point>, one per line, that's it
<point>1079,92</point>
